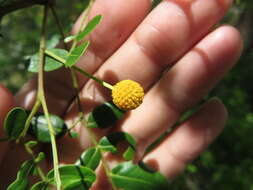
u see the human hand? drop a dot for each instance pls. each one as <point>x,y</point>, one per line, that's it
<point>132,43</point>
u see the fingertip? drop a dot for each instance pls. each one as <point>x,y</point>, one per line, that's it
<point>216,108</point>
<point>232,39</point>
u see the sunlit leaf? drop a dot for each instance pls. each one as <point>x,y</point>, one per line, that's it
<point>50,63</point>
<point>21,182</point>
<point>89,27</point>
<point>74,177</point>
<point>109,143</point>
<point>90,158</point>
<point>76,54</point>
<point>14,122</point>
<point>128,176</point>
<point>104,115</point>
<point>39,127</point>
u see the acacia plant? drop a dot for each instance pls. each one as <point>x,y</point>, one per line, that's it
<point>47,128</point>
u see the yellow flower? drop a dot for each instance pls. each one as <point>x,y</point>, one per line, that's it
<point>127,94</point>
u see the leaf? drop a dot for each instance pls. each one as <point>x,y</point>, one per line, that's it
<point>109,142</point>
<point>31,144</point>
<point>104,116</point>
<point>21,182</point>
<point>73,134</point>
<point>128,176</point>
<point>39,127</point>
<point>90,158</point>
<point>76,54</point>
<point>69,38</point>
<point>50,63</point>
<point>14,122</point>
<point>41,156</point>
<point>89,27</point>
<point>40,186</point>
<point>74,176</point>
<point>106,146</point>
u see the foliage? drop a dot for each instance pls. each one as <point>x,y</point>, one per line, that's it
<point>225,165</point>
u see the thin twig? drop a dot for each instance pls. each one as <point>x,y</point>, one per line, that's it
<point>41,97</point>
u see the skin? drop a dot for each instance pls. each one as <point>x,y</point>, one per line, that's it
<point>176,55</point>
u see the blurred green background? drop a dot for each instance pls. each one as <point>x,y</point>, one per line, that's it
<point>227,164</point>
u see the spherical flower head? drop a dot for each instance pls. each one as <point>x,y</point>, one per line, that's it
<point>127,94</point>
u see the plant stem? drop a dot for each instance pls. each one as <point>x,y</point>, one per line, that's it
<point>41,174</point>
<point>103,83</point>
<point>53,144</point>
<point>29,119</point>
<point>59,25</point>
<point>41,98</point>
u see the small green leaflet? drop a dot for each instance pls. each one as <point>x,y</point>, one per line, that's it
<point>87,30</point>
<point>90,158</point>
<point>128,176</point>
<point>39,127</point>
<point>104,116</point>
<point>89,27</point>
<point>74,177</point>
<point>21,183</point>
<point>109,143</point>
<point>14,122</point>
<point>50,63</point>
<point>76,54</point>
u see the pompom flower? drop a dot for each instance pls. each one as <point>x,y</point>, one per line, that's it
<point>127,94</point>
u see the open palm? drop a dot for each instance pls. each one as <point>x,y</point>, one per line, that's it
<point>176,56</point>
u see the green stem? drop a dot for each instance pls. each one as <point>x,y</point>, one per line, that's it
<point>41,97</point>
<point>29,119</point>
<point>103,83</point>
<point>53,144</point>
<point>41,173</point>
<point>58,23</point>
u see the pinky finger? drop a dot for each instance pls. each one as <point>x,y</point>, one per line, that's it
<point>188,140</point>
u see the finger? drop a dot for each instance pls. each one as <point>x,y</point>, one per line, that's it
<point>188,140</point>
<point>165,35</point>
<point>7,102</point>
<point>119,20</point>
<point>117,24</point>
<point>184,85</point>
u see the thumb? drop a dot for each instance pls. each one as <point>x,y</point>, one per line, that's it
<point>6,103</point>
